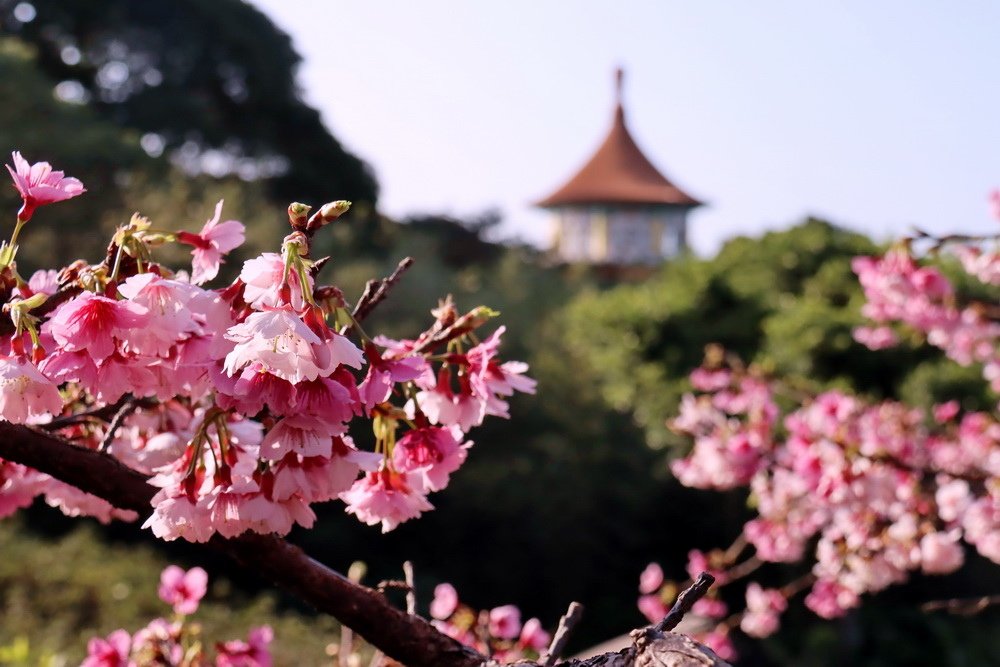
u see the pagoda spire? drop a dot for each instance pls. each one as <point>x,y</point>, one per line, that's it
<point>619,91</point>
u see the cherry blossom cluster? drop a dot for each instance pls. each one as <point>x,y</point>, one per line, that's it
<point>497,632</point>
<point>176,641</point>
<point>864,492</point>
<point>899,290</point>
<point>236,401</point>
<point>874,490</point>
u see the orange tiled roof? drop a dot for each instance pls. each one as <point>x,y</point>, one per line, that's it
<point>619,173</point>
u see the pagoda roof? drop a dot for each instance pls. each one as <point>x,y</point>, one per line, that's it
<point>619,173</point>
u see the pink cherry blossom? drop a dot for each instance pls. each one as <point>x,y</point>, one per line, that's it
<point>183,590</point>
<point>39,185</point>
<point>95,324</point>
<point>386,497</point>
<point>830,600</point>
<point>652,608</point>
<point>25,392</point>
<point>208,246</point>
<point>300,434</point>
<point>875,338</point>
<point>534,636</point>
<point>255,652</point>
<point>318,479</point>
<point>764,606</point>
<point>505,621</point>
<point>41,282</point>
<point>445,601</point>
<point>169,317</point>
<point>430,453</point>
<point>383,372</point>
<point>110,652</point>
<point>651,578</point>
<point>286,348</point>
<point>267,283</point>
<point>940,553</point>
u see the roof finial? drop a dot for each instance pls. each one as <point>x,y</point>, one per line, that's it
<point>619,84</point>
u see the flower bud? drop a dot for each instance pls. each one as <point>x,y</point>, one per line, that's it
<point>298,215</point>
<point>328,213</point>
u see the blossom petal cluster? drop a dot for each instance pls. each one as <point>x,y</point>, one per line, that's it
<point>497,632</point>
<point>177,642</point>
<point>237,402</point>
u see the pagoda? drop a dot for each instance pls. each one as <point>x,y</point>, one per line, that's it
<point>619,209</point>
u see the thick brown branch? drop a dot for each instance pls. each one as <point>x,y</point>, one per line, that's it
<point>406,638</point>
<point>409,639</point>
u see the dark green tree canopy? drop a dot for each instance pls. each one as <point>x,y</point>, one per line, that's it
<point>212,84</point>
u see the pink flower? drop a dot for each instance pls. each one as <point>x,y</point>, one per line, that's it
<point>941,553</point>
<point>95,324</point>
<point>255,652</point>
<point>300,434</point>
<point>994,199</point>
<point>718,640</point>
<point>445,601</point>
<point>159,642</point>
<point>234,513</point>
<point>652,608</point>
<point>317,479</point>
<point>40,282</point>
<point>710,608</point>
<point>764,605</point>
<point>387,497</point>
<point>651,578</point>
<point>875,338</point>
<point>268,284</point>
<point>39,185</point>
<point>490,380</point>
<point>829,599</point>
<point>382,373</point>
<point>431,453</point>
<point>25,392</point>
<point>183,590</point>
<point>215,240</point>
<point>285,347</point>
<point>169,315</point>
<point>505,621</point>
<point>110,652</point>
<point>534,636</point>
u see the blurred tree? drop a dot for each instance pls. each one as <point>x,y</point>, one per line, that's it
<point>787,300</point>
<point>78,141</point>
<point>210,84</point>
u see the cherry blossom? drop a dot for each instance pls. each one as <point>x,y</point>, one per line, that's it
<point>210,244</point>
<point>38,184</point>
<point>183,590</point>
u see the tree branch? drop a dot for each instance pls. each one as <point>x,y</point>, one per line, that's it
<point>406,638</point>
<point>685,601</point>
<point>377,290</point>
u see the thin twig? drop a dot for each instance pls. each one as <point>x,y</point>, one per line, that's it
<point>920,234</point>
<point>103,413</point>
<point>685,601</point>
<point>561,636</point>
<point>411,594</point>
<point>376,291</point>
<point>128,406</point>
<point>962,607</point>
<point>743,569</point>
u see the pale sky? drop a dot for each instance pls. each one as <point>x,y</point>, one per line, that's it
<point>875,115</point>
